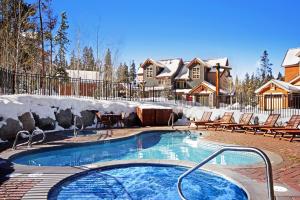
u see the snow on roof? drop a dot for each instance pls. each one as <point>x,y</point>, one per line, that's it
<point>284,85</point>
<point>184,72</point>
<point>292,57</point>
<point>213,62</point>
<point>170,67</point>
<point>93,75</point>
<point>212,87</point>
<point>140,70</point>
<point>185,91</point>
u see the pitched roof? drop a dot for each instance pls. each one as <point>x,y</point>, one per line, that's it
<point>213,62</point>
<point>208,85</point>
<point>292,57</point>
<point>140,70</point>
<point>170,67</point>
<point>94,75</point>
<point>284,85</point>
<point>184,72</point>
<point>294,80</point>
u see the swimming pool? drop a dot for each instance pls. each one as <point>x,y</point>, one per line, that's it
<point>174,145</point>
<point>145,182</point>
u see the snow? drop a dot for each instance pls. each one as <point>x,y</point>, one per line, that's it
<point>292,57</point>
<point>12,106</point>
<point>184,72</point>
<point>169,67</point>
<point>213,62</point>
<point>284,85</point>
<point>93,75</point>
<point>140,71</point>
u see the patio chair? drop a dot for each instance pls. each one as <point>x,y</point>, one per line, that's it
<point>269,123</point>
<point>292,124</point>
<point>204,119</point>
<point>244,120</point>
<point>289,134</point>
<point>227,118</point>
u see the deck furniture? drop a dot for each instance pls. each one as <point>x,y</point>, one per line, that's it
<point>269,123</point>
<point>204,119</point>
<point>292,124</point>
<point>227,118</point>
<point>289,135</point>
<point>108,119</point>
<point>243,121</point>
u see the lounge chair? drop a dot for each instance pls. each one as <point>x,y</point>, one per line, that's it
<point>269,123</point>
<point>289,134</point>
<point>244,120</point>
<point>204,119</point>
<point>227,118</point>
<point>292,124</point>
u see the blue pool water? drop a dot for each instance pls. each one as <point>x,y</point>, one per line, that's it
<point>146,182</point>
<point>148,145</point>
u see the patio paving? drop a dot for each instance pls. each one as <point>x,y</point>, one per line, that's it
<point>286,173</point>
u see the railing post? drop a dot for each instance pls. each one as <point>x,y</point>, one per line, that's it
<point>153,93</point>
<point>130,93</point>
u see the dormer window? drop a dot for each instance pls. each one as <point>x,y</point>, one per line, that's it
<point>149,72</point>
<point>196,72</point>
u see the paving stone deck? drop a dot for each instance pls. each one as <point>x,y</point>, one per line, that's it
<point>18,184</point>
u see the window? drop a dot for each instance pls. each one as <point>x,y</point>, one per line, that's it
<point>181,85</point>
<point>196,72</point>
<point>149,72</point>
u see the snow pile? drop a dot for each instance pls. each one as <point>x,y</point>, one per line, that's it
<point>12,106</point>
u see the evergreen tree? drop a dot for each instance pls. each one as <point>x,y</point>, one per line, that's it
<point>61,39</point>
<point>108,69</point>
<point>132,72</point>
<point>279,76</point>
<point>88,59</point>
<point>265,68</point>
<point>119,73</point>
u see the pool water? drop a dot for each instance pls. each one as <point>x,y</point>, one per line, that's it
<point>146,182</point>
<point>148,145</point>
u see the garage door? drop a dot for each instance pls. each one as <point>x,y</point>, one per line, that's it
<point>273,102</point>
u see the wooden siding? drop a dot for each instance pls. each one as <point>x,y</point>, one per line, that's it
<point>153,117</point>
<point>291,72</point>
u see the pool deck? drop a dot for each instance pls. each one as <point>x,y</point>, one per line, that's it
<point>29,182</point>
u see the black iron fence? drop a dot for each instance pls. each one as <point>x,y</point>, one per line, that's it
<point>25,83</point>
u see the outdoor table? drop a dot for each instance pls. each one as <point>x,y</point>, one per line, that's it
<point>112,118</point>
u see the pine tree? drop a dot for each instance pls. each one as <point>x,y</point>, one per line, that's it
<point>61,39</point>
<point>108,69</point>
<point>265,68</point>
<point>279,76</point>
<point>132,72</point>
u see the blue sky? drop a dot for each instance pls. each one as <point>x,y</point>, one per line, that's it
<point>138,29</point>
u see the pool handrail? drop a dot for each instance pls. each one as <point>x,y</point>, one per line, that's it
<point>271,195</point>
<point>30,137</point>
<point>75,122</point>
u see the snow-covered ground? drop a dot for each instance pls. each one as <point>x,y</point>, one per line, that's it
<point>12,106</point>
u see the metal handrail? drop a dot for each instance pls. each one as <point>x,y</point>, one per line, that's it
<point>17,137</point>
<point>235,148</point>
<point>30,136</point>
<point>171,119</point>
<point>34,133</point>
<point>75,120</point>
